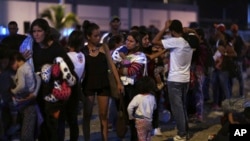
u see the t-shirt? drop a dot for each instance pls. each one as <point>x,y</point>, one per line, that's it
<point>180,59</point>
<point>13,42</point>
<point>144,104</point>
<point>25,81</point>
<point>78,59</point>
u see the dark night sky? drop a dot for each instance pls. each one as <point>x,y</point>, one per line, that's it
<point>211,11</point>
<point>226,11</point>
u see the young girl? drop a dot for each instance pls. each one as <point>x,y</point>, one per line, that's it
<point>25,77</point>
<point>23,97</point>
<point>144,104</point>
<point>70,110</point>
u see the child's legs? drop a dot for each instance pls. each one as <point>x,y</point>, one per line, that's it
<point>28,123</point>
<point>143,128</point>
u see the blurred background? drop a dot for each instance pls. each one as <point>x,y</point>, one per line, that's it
<point>204,13</point>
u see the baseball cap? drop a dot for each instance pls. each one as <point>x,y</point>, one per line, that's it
<point>220,27</point>
<point>115,18</point>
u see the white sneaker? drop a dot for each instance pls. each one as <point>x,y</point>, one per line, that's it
<point>179,138</point>
<point>157,132</point>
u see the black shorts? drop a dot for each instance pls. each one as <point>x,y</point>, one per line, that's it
<point>98,92</point>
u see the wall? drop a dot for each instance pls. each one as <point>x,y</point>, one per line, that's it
<point>21,11</point>
<point>97,14</point>
<point>156,17</point>
<point>141,13</point>
<point>17,11</point>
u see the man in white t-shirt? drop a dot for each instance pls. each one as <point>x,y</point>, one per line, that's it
<point>179,73</point>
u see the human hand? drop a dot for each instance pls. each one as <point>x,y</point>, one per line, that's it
<point>167,24</point>
<point>120,88</point>
<point>27,54</point>
<point>157,48</point>
<point>125,62</point>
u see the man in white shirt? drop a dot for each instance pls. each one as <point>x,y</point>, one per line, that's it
<point>179,73</point>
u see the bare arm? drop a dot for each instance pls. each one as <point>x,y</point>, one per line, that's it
<point>157,38</point>
<point>231,119</point>
<point>114,70</point>
<point>228,51</point>
<point>156,54</point>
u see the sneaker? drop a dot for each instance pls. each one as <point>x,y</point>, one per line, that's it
<point>179,138</point>
<point>157,132</point>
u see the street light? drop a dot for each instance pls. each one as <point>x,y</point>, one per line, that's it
<point>165,1</point>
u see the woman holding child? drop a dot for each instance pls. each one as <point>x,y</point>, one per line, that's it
<point>44,52</point>
<point>132,68</point>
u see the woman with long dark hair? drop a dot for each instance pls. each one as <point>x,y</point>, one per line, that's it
<point>44,51</point>
<point>132,68</point>
<point>96,80</point>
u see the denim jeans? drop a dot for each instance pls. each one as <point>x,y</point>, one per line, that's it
<point>178,101</point>
<point>221,89</point>
<point>112,109</point>
<point>239,77</point>
<point>199,96</point>
<point>224,83</point>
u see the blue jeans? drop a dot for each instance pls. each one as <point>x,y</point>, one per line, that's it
<point>221,89</point>
<point>199,96</point>
<point>178,101</point>
<point>112,109</point>
<point>205,88</point>
<point>239,77</point>
<point>224,83</point>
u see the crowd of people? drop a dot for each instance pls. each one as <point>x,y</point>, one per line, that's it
<point>43,80</point>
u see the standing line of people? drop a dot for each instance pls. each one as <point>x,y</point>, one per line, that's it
<point>50,79</point>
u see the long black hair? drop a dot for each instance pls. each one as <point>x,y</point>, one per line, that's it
<point>75,40</point>
<point>137,37</point>
<point>44,25</point>
<point>88,28</point>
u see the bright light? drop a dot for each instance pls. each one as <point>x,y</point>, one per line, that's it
<point>67,31</point>
<point>165,1</point>
<point>3,30</point>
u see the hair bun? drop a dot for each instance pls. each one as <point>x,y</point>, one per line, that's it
<point>85,24</point>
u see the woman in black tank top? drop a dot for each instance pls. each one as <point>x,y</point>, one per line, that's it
<point>95,81</point>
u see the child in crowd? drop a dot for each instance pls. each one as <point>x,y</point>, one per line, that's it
<point>119,54</point>
<point>143,104</point>
<point>159,67</point>
<point>25,83</point>
<point>115,42</point>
